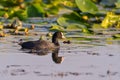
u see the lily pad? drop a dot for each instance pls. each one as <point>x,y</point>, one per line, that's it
<point>56,27</point>
<point>117,4</point>
<point>70,24</point>
<point>116,36</point>
<point>53,10</point>
<point>35,10</point>
<point>86,6</point>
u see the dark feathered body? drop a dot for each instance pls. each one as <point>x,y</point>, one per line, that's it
<point>43,44</point>
<point>28,45</point>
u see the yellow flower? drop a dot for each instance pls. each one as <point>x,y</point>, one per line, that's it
<point>85,17</point>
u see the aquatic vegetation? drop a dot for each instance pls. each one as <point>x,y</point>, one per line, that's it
<point>90,17</point>
<point>55,27</point>
<point>31,8</point>
<point>110,19</point>
<point>86,5</point>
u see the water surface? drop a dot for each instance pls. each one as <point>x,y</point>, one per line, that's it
<point>86,58</point>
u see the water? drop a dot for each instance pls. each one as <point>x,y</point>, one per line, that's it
<point>87,58</point>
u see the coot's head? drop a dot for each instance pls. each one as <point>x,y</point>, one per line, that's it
<point>58,35</point>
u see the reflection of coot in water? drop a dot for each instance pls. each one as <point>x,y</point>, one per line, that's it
<point>41,52</point>
<point>57,59</point>
<point>43,44</point>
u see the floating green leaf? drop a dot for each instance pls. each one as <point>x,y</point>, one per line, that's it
<point>55,27</point>
<point>35,10</point>
<point>86,6</point>
<point>117,35</point>
<point>68,19</point>
<point>53,10</point>
<point>69,23</point>
<point>117,4</point>
<point>73,27</point>
<point>21,14</point>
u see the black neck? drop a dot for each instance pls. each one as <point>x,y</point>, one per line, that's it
<point>55,40</point>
